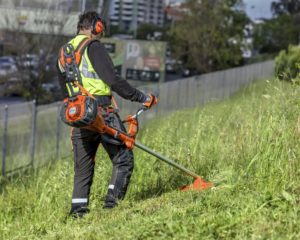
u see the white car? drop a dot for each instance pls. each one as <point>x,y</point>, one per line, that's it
<point>29,61</point>
<point>8,66</point>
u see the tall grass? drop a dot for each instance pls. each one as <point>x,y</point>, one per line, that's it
<point>248,146</point>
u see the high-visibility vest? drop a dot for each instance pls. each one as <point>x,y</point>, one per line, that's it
<point>89,78</point>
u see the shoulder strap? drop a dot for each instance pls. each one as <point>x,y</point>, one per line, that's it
<point>69,60</point>
<point>78,52</point>
<point>80,49</point>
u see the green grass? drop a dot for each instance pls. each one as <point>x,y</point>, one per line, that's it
<point>248,146</point>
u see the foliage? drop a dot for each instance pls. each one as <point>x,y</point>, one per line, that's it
<point>148,31</point>
<point>113,30</point>
<point>45,49</point>
<point>247,146</point>
<point>286,63</point>
<point>210,35</point>
<point>285,7</point>
<point>261,58</point>
<point>279,32</point>
<point>276,34</point>
<point>36,56</point>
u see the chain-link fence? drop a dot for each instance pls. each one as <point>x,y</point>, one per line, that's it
<point>33,135</point>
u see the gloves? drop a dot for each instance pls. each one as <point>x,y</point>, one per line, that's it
<point>150,101</point>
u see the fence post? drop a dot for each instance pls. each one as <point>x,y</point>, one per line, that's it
<point>57,131</point>
<point>157,93</point>
<point>33,131</point>
<point>4,147</point>
<point>187,93</point>
<point>178,95</point>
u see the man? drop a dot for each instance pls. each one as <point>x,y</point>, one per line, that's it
<point>99,78</point>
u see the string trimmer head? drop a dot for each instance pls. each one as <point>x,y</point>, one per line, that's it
<point>199,184</point>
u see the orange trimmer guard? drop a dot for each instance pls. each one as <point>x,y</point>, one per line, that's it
<point>199,184</point>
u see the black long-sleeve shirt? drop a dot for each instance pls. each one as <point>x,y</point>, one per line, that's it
<point>104,67</point>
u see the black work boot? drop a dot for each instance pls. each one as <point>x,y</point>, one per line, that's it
<point>78,212</point>
<point>110,202</point>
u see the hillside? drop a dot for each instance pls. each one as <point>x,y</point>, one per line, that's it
<point>247,145</point>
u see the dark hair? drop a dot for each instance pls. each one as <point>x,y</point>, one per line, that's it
<point>86,20</point>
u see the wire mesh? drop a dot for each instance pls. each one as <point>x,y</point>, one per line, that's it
<point>18,135</point>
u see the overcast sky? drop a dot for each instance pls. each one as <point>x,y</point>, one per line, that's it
<point>258,8</point>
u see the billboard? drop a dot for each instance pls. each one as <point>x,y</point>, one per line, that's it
<point>142,61</point>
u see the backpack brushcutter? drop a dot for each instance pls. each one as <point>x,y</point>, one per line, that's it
<point>128,138</point>
<point>81,110</point>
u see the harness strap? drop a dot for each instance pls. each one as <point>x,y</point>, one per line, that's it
<point>115,103</point>
<point>70,58</point>
<point>83,90</point>
<point>71,88</point>
<point>80,49</point>
<point>78,52</point>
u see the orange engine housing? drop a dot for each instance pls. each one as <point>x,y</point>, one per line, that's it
<point>79,111</point>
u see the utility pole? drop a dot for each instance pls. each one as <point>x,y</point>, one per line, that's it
<point>105,8</point>
<point>135,17</point>
<point>121,25</point>
<point>83,3</point>
<point>100,6</point>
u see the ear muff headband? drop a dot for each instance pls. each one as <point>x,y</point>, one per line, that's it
<point>98,26</point>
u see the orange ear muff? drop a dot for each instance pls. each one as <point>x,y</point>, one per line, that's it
<point>98,27</point>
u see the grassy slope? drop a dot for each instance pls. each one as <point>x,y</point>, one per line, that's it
<point>248,146</point>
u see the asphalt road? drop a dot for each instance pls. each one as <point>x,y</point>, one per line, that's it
<point>10,100</point>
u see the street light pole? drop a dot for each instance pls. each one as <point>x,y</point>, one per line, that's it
<point>100,6</point>
<point>83,6</point>
<point>135,17</point>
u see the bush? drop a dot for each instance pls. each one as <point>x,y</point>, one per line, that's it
<point>287,63</point>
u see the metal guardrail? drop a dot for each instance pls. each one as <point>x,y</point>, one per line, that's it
<point>33,135</point>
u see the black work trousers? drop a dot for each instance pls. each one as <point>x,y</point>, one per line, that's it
<point>85,144</point>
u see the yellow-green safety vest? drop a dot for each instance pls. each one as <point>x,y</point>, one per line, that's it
<point>90,79</point>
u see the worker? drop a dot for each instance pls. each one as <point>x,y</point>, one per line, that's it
<point>99,78</point>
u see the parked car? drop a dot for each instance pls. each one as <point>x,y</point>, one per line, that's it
<point>30,61</point>
<point>173,65</point>
<point>8,66</point>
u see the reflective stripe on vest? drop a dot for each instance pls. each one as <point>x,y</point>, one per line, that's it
<point>85,69</point>
<point>90,79</point>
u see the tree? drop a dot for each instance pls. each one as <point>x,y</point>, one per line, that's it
<point>280,31</point>
<point>290,7</point>
<point>35,52</point>
<point>43,49</point>
<point>209,36</point>
<point>275,34</point>
<point>148,31</point>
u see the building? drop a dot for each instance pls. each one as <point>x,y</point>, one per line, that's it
<point>174,11</point>
<point>154,13</point>
<point>128,14</point>
<point>44,17</point>
<point>174,2</point>
<point>54,5</point>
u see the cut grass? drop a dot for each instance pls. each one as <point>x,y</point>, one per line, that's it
<point>248,146</point>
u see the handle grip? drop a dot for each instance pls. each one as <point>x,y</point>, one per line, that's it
<point>139,112</point>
